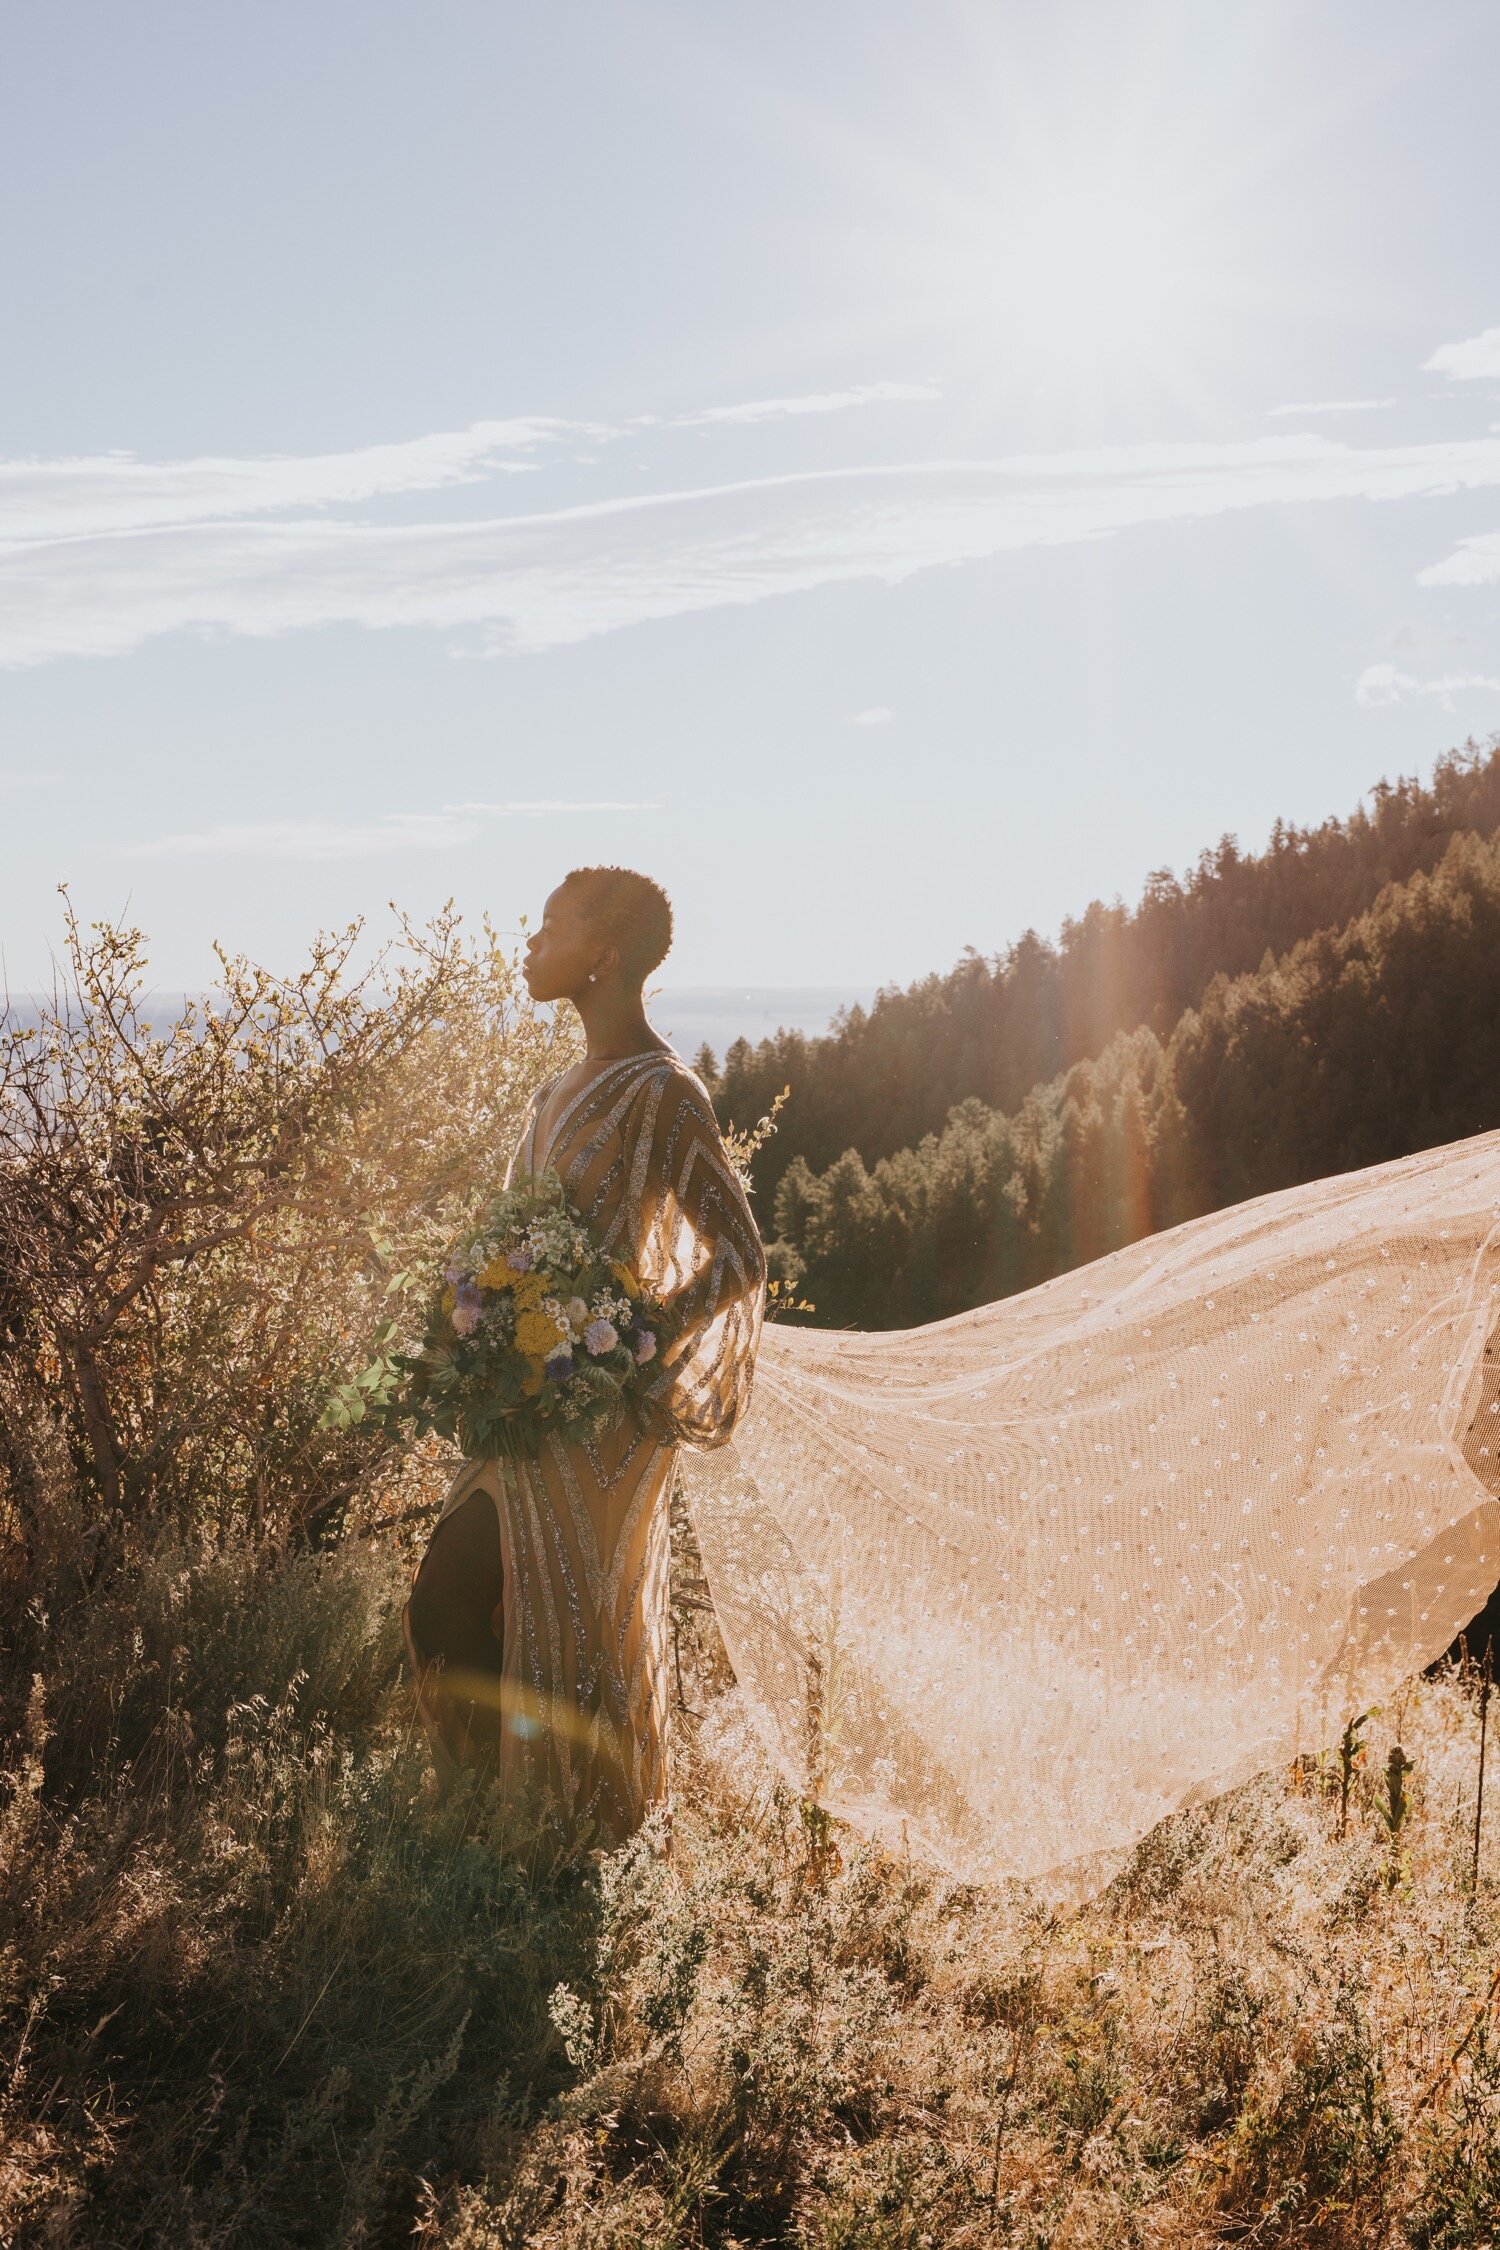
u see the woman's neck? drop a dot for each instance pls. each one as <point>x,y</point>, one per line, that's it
<point>614,1024</point>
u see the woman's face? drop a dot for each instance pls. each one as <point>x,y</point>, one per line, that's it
<point>561,954</point>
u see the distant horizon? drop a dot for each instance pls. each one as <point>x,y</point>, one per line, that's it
<point>716,1013</point>
<point>690,1016</point>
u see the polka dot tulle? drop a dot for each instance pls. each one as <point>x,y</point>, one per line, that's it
<point>1008,1589</point>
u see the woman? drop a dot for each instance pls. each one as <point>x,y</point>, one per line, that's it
<point>550,1578</point>
<point>1006,1590</point>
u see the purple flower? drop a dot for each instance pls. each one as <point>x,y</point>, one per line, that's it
<point>560,1366</point>
<point>466,1307</point>
<point>600,1336</point>
<point>520,1260</point>
<point>454,1272</point>
<point>645,1346</point>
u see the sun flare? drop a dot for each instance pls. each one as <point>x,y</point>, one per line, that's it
<point>1086,237</point>
<point>1097,278</point>
<point>1100,268</point>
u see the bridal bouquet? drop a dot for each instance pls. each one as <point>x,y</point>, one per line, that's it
<point>534,1332</point>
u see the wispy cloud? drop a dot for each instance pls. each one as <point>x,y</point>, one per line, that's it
<point>1381,684</point>
<point>1462,363</point>
<point>312,839</point>
<point>1330,406</point>
<point>1475,561</point>
<point>326,839</point>
<point>816,402</point>
<point>544,580</point>
<point>96,494</point>
<point>529,808</point>
<point>876,716</point>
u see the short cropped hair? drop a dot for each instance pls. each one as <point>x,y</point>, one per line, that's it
<point>629,911</point>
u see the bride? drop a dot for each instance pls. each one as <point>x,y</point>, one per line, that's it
<point>538,1619</point>
<point>1005,1590</point>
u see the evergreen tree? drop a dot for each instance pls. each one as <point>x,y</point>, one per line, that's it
<point>1356,1046</point>
<point>886,1077</point>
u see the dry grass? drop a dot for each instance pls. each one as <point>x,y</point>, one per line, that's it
<point>257,1989</point>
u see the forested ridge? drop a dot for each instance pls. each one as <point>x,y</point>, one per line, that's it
<point>993,1029</point>
<point>1358,1044</point>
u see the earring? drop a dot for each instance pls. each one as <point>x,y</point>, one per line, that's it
<point>592,978</point>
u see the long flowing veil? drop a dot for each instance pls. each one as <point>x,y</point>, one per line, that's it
<point>1007,1589</point>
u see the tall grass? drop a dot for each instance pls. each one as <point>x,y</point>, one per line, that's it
<point>259,1987</point>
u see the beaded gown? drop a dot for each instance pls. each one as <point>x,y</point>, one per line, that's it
<point>583,1530</point>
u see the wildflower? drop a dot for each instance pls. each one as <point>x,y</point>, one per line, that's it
<point>560,1366</point>
<point>645,1346</point>
<point>600,1336</point>
<point>521,1259</point>
<point>466,1308</point>
<point>577,1312</point>
<point>537,1335</point>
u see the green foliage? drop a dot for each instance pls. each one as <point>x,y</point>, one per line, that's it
<point>1361,1044</point>
<point>1351,1758</point>
<point>1327,2135</point>
<point>1459,2207</point>
<point>1395,1804</point>
<point>371,1394</point>
<point>244,1965</point>
<point>888,1076</point>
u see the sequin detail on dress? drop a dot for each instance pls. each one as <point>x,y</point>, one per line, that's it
<point>583,1530</point>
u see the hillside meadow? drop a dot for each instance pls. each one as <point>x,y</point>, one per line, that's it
<point>260,1988</point>
<point>261,1985</point>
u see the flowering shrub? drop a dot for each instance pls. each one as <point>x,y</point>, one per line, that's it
<point>204,1216</point>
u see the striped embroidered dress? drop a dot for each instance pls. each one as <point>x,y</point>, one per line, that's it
<point>584,1529</point>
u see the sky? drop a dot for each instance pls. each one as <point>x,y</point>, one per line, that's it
<point>894,473</point>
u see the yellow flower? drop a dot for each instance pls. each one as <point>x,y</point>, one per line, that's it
<point>528,1289</point>
<point>537,1333</point>
<point>450,1299</point>
<point>497,1274</point>
<point>531,1381</point>
<point>625,1278</point>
